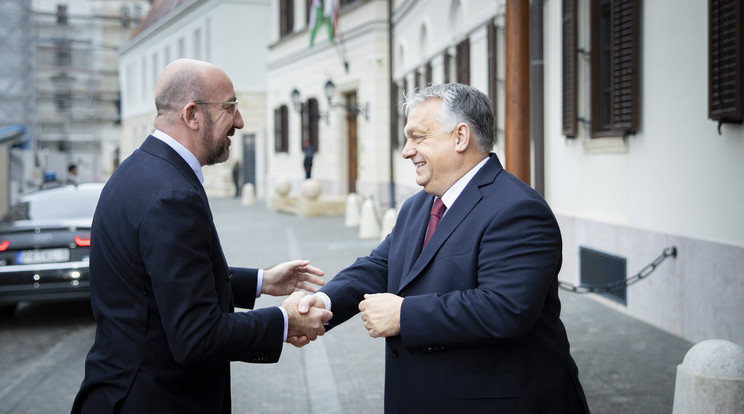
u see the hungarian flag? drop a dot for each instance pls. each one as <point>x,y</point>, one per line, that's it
<point>331,19</point>
<point>316,20</point>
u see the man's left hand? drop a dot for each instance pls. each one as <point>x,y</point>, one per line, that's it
<point>381,314</point>
<point>287,277</point>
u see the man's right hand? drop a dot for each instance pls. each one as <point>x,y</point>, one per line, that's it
<point>305,324</point>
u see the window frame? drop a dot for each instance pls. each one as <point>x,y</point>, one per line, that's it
<point>615,68</point>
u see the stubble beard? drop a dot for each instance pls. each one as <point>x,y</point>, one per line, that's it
<point>218,151</point>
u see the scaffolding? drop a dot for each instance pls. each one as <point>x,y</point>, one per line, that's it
<point>61,81</point>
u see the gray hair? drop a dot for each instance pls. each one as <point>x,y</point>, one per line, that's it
<point>460,103</point>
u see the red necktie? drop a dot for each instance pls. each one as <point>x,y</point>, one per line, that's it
<point>437,210</point>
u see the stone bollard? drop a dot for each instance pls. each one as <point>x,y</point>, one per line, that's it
<point>369,228</point>
<point>248,197</point>
<point>710,379</point>
<point>388,221</point>
<point>353,205</point>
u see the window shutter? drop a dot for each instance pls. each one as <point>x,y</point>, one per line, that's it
<point>625,65</point>
<point>570,84</point>
<point>285,128</point>
<point>313,122</point>
<point>463,62</point>
<point>277,130</point>
<point>726,47</point>
<point>446,65</point>
<point>427,74</point>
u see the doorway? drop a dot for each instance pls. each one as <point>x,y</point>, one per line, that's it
<point>351,131</point>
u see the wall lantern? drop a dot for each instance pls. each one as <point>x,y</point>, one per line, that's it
<point>329,89</point>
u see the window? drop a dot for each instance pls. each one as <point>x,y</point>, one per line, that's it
<point>427,74</point>
<point>725,74</point>
<point>615,33</point>
<point>63,53</point>
<point>310,117</point>
<point>286,17</point>
<point>281,124</point>
<point>62,14</point>
<point>463,62</point>
<point>570,84</point>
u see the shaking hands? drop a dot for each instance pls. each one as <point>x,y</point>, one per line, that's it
<point>307,315</point>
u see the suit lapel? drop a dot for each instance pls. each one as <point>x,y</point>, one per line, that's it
<point>468,199</point>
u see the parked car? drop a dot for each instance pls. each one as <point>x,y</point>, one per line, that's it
<point>45,245</point>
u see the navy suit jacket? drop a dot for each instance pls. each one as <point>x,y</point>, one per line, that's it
<point>163,296</point>
<point>480,327</point>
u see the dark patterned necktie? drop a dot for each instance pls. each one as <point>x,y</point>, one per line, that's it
<point>437,210</point>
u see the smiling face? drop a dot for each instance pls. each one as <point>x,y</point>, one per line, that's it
<point>432,150</point>
<point>220,120</point>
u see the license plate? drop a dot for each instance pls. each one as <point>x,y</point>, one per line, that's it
<point>43,256</point>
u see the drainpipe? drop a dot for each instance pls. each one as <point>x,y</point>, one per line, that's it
<point>537,107</point>
<point>517,109</point>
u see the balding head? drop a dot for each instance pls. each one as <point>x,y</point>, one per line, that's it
<point>182,81</point>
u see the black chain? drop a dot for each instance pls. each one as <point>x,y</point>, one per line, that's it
<point>644,273</point>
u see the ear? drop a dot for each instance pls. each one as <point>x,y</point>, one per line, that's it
<point>188,116</point>
<point>462,137</point>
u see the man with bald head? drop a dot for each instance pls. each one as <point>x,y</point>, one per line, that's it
<point>161,291</point>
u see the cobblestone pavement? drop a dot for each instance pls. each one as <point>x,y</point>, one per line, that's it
<point>626,366</point>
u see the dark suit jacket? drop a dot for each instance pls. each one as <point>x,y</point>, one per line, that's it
<point>163,296</point>
<point>480,327</point>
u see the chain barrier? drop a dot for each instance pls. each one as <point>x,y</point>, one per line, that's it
<point>644,273</point>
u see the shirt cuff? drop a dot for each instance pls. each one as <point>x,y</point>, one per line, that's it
<point>325,298</point>
<point>286,323</point>
<point>259,284</point>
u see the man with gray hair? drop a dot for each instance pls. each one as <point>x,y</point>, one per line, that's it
<point>465,287</point>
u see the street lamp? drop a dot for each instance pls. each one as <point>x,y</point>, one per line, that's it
<point>329,89</point>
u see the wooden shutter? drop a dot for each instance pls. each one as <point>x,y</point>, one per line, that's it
<point>625,65</point>
<point>463,62</point>
<point>427,74</point>
<point>726,47</point>
<point>278,129</point>
<point>312,130</point>
<point>446,65</point>
<point>570,84</point>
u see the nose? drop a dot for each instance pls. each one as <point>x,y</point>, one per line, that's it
<point>238,120</point>
<point>408,150</point>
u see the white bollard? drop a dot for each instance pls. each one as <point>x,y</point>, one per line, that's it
<point>248,196</point>
<point>388,221</point>
<point>369,228</point>
<point>710,379</point>
<point>353,205</point>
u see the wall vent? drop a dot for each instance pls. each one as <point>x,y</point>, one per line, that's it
<point>597,269</point>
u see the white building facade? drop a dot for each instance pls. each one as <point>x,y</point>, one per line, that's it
<point>632,167</point>
<point>232,34</point>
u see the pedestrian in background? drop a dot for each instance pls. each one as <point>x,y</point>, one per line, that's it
<point>72,175</point>
<point>161,290</point>
<point>465,287</point>
<point>307,162</point>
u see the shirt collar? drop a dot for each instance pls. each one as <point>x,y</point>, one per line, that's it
<point>182,151</point>
<point>451,195</point>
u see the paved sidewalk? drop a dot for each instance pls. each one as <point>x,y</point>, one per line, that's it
<point>626,366</point>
